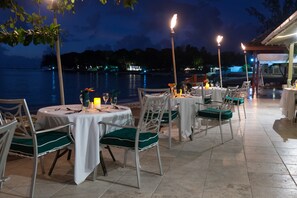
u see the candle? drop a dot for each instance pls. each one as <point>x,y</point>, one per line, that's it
<point>97,103</point>
<point>207,85</point>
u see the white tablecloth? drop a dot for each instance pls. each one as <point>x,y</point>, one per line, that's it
<point>86,132</point>
<point>287,102</point>
<point>217,93</point>
<point>187,110</point>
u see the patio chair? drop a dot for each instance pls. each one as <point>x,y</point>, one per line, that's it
<point>239,98</point>
<point>142,137</point>
<point>28,142</point>
<point>219,111</point>
<point>199,90</point>
<point>6,134</point>
<point>171,113</point>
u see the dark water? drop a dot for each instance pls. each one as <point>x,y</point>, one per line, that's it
<point>41,88</point>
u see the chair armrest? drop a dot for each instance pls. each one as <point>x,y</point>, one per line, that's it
<point>57,128</point>
<point>116,125</point>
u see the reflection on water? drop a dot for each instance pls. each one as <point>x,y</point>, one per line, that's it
<point>53,95</point>
<point>41,88</point>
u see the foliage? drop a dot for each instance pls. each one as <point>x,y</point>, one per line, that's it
<point>24,28</point>
<point>87,90</point>
<point>153,59</point>
<point>279,10</point>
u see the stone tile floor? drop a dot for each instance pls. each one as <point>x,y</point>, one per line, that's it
<point>261,161</point>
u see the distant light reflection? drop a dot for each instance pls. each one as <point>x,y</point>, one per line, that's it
<point>132,84</point>
<point>144,81</point>
<point>250,93</point>
<point>53,95</point>
<point>273,93</point>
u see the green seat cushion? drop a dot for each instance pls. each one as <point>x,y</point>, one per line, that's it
<point>215,113</point>
<point>236,100</point>
<point>165,118</point>
<point>47,142</point>
<point>126,138</point>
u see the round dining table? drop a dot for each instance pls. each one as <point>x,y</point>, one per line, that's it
<point>86,131</point>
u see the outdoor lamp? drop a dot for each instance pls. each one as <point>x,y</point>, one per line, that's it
<point>246,69</point>
<point>219,40</point>
<point>172,25</point>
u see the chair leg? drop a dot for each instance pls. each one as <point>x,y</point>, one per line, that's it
<point>169,131</point>
<point>2,177</point>
<point>54,163</point>
<point>110,152</point>
<point>42,164</point>
<point>179,130</point>
<point>231,128</point>
<point>192,133</point>
<point>238,111</point>
<point>221,131</point>
<point>95,173</point>
<point>159,159</point>
<point>103,164</point>
<point>34,174</point>
<point>244,110</point>
<point>206,126</point>
<point>58,155</point>
<point>69,154</point>
<point>137,164</point>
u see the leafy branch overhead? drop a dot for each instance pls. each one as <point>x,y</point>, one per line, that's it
<point>25,28</point>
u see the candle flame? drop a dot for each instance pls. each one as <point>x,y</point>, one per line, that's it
<point>242,46</point>
<point>173,21</point>
<point>219,39</point>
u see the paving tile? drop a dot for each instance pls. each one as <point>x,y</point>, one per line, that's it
<point>260,161</point>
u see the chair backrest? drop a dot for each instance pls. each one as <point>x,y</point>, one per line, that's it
<point>154,92</point>
<point>230,94</point>
<point>6,134</point>
<point>152,112</point>
<point>246,84</point>
<point>17,109</point>
<point>198,89</point>
<point>244,88</point>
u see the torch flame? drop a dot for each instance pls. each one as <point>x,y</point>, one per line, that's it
<point>219,39</point>
<point>242,46</point>
<point>173,21</point>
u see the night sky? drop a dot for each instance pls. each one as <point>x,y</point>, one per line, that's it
<point>111,27</point>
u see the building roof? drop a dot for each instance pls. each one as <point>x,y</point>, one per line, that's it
<point>285,34</point>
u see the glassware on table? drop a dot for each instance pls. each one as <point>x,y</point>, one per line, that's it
<point>84,98</point>
<point>105,97</point>
<point>113,100</point>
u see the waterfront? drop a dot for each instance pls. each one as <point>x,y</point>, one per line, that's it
<point>41,88</point>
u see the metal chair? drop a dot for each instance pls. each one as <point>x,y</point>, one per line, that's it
<point>28,142</point>
<point>142,137</point>
<point>6,134</point>
<point>239,98</point>
<point>199,90</point>
<point>171,113</point>
<point>220,111</point>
